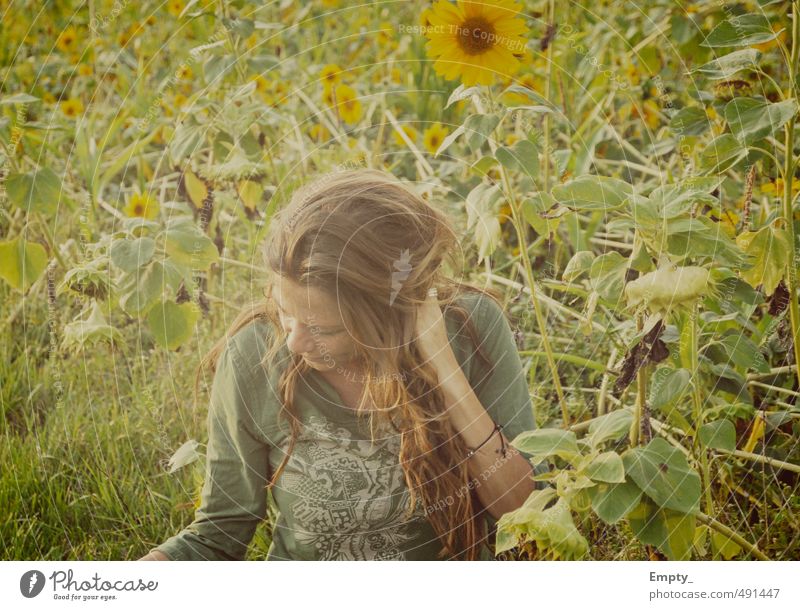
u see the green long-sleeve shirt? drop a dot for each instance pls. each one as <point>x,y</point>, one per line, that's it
<point>339,496</point>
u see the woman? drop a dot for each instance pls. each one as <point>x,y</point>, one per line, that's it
<point>379,424</point>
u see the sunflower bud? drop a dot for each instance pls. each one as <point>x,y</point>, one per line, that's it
<point>669,287</point>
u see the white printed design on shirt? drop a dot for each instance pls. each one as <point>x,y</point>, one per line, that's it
<point>351,495</point>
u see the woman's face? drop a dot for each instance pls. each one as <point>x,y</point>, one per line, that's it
<point>313,326</point>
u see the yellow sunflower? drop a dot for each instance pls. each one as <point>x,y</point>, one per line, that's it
<point>385,33</point>
<point>776,187</point>
<point>67,39</point>
<point>343,98</point>
<point>409,131</point>
<point>330,75</point>
<point>72,107</point>
<point>141,206</point>
<point>262,84</point>
<point>476,41</point>
<point>766,46</point>
<point>319,133</point>
<point>433,137</point>
<point>280,91</point>
<point>175,7</point>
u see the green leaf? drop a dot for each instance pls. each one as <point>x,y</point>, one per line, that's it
<point>449,140</point>
<point>130,254</point>
<point>186,454</point>
<point>704,239</point>
<point>482,218</point>
<point>664,475</point>
<point>691,121</point>
<point>461,93</point>
<point>753,119</point>
<point>720,434</point>
<point>579,264</point>
<point>607,275</point>
<point>724,545</point>
<point>172,325</point>
<point>610,426</point>
<point>672,200</point>
<point>669,386</point>
<point>726,66</point>
<point>483,165</point>
<point>478,128</point>
<point>145,286</point>
<point>545,442</point>
<point>38,191</point>
<point>592,193</point>
<point>121,159</point>
<point>538,211</point>
<point>185,141</point>
<point>509,530</point>
<point>187,245</point>
<point>670,531</point>
<point>552,529</point>
<point>521,156</point>
<point>216,67</point>
<point>741,31</point>
<point>18,98</point>
<point>721,154</point>
<point>529,93</point>
<point>611,502</point>
<point>81,334</point>
<point>770,250</point>
<point>21,262</point>
<point>741,350</point>
<point>606,467</point>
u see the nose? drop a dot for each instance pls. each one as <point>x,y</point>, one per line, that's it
<point>300,340</point>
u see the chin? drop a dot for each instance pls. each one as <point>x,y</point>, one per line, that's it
<point>316,363</point>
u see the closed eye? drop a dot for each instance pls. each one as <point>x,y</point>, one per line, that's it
<point>334,331</point>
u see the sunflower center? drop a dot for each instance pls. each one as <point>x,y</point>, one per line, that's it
<point>476,35</point>
<point>138,210</point>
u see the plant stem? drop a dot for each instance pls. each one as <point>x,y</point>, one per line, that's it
<point>641,395</point>
<point>698,411</point>
<point>520,227</point>
<point>48,237</point>
<point>762,459</point>
<point>551,12</point>
<point>537,308</point>
<point>731,534</point>
<point>788,175</point>
<point>571,358</point>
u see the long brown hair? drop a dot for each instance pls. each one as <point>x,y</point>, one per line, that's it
<point>344,234</point>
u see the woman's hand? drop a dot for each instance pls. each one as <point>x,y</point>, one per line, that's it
<point>431,339</point>
<point>154,556</point>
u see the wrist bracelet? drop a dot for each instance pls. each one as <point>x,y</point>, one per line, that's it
<point>503,450</point>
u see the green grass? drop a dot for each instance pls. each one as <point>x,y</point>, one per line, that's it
<point>85,469</point>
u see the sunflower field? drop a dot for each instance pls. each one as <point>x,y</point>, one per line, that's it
<point>625,172</point>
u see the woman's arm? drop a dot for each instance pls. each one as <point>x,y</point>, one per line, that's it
<point>500,395</point>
